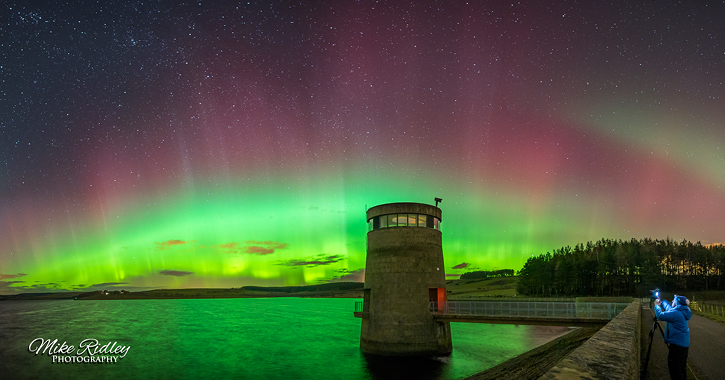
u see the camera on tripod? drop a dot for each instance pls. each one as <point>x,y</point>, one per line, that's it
<point>654,294</point>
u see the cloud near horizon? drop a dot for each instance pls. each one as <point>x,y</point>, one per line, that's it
<point>177,273</point>
<point>8,276</point>
<point>461,265</point>
<point>106,285</point>
<point>49,287</point>
<point>357,275</point>
<point>253,247</point>
<point>5,287</point>
<point>168,244</point>
<point>109,284</point>
<point>313,262</point>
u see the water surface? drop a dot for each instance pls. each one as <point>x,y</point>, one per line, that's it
<point>243,338</point>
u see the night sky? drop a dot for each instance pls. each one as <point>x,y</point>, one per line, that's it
<point>148,144</point>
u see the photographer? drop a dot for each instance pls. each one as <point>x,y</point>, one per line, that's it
<point>677,333</point>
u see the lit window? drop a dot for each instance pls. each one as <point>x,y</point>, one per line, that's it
<point>402,219</point>
<point>421,220</point>
<point>412,220</point>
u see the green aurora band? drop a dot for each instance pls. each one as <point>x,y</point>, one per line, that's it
<point>244,150</point>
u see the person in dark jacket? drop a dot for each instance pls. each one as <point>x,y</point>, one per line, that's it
<point>677,333</point>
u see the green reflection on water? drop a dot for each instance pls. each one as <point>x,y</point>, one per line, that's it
<point>262,338</point>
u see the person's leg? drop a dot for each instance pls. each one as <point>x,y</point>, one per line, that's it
<point>685,351</point>
<point>676,362</point>
<point>671,364</point>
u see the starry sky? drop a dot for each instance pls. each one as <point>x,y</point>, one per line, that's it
<point>160,144</point>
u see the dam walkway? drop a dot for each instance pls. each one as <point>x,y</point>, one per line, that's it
<point>707,348</point>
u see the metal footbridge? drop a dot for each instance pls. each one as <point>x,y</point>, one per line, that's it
<point>527,313</point>
<point>519,312</point>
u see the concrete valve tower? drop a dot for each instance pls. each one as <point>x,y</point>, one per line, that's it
<point>404,273</point>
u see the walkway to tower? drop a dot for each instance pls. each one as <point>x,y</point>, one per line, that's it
<point>520,313</point>
<point>527,313</point>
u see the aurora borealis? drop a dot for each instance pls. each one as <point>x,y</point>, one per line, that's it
<point>150,144</point>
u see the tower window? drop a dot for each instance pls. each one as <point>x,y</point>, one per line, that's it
<point>404,220</point>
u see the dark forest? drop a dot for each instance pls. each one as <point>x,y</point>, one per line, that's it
<point>624,268</point>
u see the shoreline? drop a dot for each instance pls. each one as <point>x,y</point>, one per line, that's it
<point>113,297</point>
<point>457,290</point>
<point>334,290</point>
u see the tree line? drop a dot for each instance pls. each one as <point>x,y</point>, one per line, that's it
<point>624,268</point>
<point>484,274</point>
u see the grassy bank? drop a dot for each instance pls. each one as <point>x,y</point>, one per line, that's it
<point>475,288</point>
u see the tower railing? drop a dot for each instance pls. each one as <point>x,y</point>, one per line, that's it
<point>588,310</point>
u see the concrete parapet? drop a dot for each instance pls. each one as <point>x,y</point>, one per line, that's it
<point>612,353</point>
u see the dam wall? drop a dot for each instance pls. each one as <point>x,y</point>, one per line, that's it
<point>612,353</point>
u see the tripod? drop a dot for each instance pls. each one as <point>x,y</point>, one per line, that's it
<point>655,325</point>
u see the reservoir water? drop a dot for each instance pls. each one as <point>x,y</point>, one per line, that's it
<point>242,338</point>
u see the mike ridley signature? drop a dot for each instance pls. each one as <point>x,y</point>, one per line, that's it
<point>88,351</point>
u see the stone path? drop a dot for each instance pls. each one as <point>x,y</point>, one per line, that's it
<point>707,348</point>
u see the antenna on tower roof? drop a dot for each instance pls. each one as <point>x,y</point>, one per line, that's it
<point>438,200</point>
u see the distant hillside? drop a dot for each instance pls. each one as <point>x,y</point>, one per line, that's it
<point>479,288</point>
<point>332,290</point>
<point>484,274</point>
<point>39,296</point>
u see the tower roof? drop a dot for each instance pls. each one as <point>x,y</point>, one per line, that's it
<point>404,208</point>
